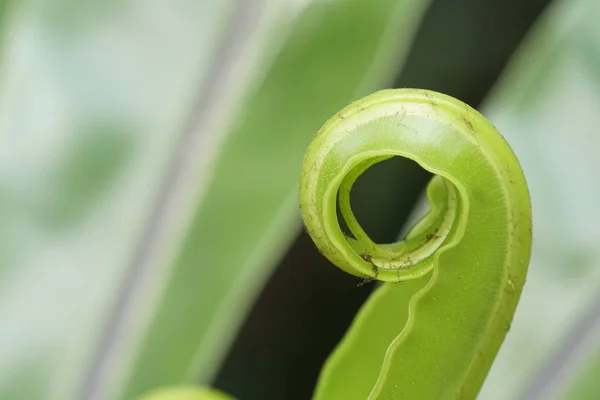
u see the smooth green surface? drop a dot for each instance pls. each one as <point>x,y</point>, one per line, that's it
<point>547,106</point>
<point>336,50</point>
<point>185,393</point>
<point>586,386</point>
<point>439,337</point>
<point>89,114</point>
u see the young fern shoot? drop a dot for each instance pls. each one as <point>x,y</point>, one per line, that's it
<point>465,262</point>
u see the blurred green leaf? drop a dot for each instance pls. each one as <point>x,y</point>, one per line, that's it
<point>92,96</point>
<point>185,393</point>
<point>586,384</point>
<point>547,106</point>
<point>94,160</point>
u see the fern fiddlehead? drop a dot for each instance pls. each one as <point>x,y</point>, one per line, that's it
<point>433,337</point>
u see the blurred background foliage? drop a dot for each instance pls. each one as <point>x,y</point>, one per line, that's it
<point>149,156</point>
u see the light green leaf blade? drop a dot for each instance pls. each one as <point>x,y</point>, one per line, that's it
<point>352,371</point>
<point>585,384</point>
<point>185,393</point>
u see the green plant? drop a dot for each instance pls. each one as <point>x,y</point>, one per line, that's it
<point>185,393</point>
<point>436,337</point>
